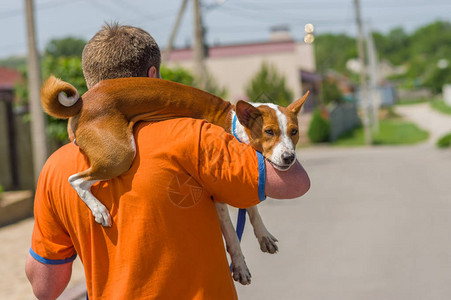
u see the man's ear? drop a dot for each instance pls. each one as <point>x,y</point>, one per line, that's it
<point>153,73</point>
<point>296,106</point>
<point>246,113</point>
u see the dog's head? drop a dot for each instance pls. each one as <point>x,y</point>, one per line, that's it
<point>273,130</point>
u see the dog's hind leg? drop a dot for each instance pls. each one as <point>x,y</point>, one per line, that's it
<point>239,268</point>
<point>83,189</point>
<point>266,240</point>
<point>111,149</point>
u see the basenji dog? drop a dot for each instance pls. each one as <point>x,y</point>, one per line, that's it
<point>107,138</point>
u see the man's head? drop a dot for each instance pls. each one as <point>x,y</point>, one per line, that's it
<point>120,51</point>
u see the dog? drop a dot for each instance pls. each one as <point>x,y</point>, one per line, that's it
<point>270,129</point>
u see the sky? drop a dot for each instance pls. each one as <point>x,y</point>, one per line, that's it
<point>227,22</point>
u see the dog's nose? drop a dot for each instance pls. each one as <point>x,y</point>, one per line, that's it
<point>288,158</point>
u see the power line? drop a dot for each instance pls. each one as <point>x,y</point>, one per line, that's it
<point>51,4</point>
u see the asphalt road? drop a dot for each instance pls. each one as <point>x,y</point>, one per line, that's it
<point>376,224</point>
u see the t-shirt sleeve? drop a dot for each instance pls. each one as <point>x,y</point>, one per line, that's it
<point>232,172</point>
<point>51,243</point>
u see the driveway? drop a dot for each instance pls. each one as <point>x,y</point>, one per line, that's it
<point>436,123</point>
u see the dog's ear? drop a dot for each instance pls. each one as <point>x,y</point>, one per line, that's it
<point>246,113</point>
<point>295,107</point>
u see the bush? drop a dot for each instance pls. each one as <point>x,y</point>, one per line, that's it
<point>177,74</point>
<point>319,129</point>
<point>331,93</point>
<point>184,76</point>
<point>444,141</point>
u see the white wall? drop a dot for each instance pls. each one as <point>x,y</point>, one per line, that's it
<point>235,72</point>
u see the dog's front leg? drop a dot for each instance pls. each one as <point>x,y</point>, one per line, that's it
<point>239,268</point>
<point>265,238</point>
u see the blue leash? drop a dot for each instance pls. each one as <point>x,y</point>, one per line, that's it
<point>241,219</point>
<point>240,222</point>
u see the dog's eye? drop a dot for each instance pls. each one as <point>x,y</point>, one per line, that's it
<point>269,132</point>
<point>294,131</point>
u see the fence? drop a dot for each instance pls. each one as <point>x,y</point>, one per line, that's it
<point>343,118</point>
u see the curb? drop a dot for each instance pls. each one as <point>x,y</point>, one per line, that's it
<point>15,206</point>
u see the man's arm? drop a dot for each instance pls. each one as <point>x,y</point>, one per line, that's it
<point>48,281</point>
<point>288,184</point>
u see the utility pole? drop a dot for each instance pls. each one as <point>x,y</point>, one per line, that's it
<point>363,82</point>
<point>374,79</point>
<point>170,46</point>
<point>199,46</point>
<point>39,145</point>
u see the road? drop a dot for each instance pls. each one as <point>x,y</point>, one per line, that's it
<point>375,225</point>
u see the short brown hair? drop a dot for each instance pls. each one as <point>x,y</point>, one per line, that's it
<point>119,51</point>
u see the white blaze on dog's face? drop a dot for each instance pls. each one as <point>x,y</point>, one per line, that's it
<point>272,130</point>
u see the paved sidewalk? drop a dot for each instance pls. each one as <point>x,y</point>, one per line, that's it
<point>15,242</point>
<point>438,124</point>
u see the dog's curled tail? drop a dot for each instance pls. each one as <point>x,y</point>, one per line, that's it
<point>59,98</point>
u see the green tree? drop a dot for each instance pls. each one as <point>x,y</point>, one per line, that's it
<point>420,52</point>
<point>395,46</point>
<point>181,75</point>
<point>14,62</point>
<point>69,46</point>
<point>429,45</point>
<point>68,69</point>
<point>268,86</point>
<point>333,51</point>
<point>62,59</point>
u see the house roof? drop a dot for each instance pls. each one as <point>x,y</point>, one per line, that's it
<point>8,78</point>
<point>237,50</point>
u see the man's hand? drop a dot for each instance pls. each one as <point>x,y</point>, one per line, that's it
<point>289,184</point>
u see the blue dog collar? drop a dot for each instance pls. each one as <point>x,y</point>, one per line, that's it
<point>235,119</point>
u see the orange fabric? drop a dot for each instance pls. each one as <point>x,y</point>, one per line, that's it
<point>165,242</point>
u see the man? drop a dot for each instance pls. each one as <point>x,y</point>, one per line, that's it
<point>165,242</point>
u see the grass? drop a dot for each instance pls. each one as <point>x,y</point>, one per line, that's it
<point>410,101</point>
<point>391,132</point>
<point>441,106</point>
<point>444,141</point>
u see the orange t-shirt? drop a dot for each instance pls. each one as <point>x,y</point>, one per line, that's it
<point>165,242</point>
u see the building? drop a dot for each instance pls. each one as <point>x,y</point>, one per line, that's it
<point>15,153</point>
<point>233,66</point>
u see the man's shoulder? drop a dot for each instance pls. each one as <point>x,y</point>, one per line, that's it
<point>181,127</point>
<point>67,157</point>
<point>64,152</point>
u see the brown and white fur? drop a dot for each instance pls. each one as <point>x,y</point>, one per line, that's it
<point>101,122</point>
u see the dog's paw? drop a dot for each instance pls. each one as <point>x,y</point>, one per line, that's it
<point>241,273</point>
<point>101,215</point>
<point>268,243</point>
